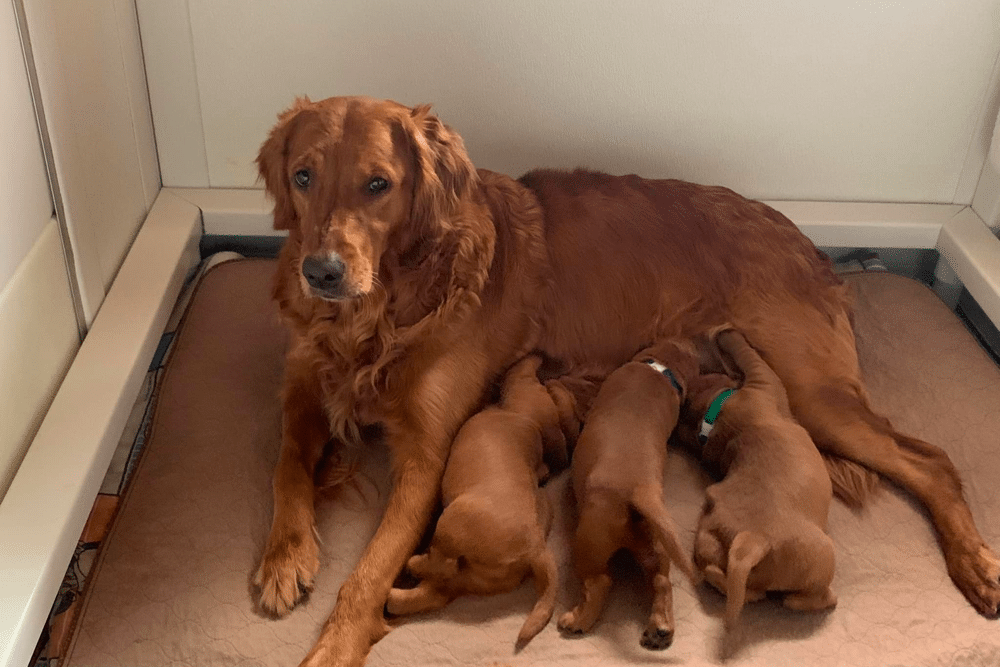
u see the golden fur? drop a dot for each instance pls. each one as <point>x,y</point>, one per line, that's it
<point>452,274</point>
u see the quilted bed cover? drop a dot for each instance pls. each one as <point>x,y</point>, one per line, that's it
<point>172,584</point>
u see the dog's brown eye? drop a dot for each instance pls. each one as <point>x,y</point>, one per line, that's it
<point>377,185</point>
<point>302,178</point>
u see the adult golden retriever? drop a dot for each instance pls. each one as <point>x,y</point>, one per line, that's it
<point>410,281</point>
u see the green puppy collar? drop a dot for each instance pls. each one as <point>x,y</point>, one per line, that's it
<point>708,423</point>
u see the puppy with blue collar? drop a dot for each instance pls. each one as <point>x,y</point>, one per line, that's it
<point>617,476</point>
<point>763,526</point>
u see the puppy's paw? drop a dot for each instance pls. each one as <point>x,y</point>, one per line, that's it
<point>417,565</point>
<point>810,600</point>
<point>715,577</point>
<point>286,572</point>
<point>571,624</point>
<point>656,638</point>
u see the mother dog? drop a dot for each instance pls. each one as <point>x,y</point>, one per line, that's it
<point>410,281</point>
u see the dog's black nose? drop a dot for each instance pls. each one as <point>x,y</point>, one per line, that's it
<point>323,273</point>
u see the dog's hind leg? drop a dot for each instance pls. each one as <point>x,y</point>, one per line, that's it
<point>842,423</point>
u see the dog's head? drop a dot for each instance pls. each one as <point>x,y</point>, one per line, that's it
<point>353,177</point>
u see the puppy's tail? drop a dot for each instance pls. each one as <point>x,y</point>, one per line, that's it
<point>546,573</point>
<point>648,502</point>
<point>747,550</point>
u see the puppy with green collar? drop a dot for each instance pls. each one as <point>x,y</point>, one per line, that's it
<point>763,526</point>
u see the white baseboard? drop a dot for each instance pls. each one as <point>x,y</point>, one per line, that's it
<point>830,224</point>
<point>51,495</point>
<point>232,212</point>
<point>973,252</point>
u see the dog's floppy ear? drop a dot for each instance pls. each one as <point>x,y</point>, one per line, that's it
<point>444,173</point>
<point>272,164</point>
<point>461,246</point>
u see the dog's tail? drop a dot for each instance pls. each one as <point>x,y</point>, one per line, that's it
<point>546,573</point>
<point>648,502</point>
<point>852,483</point>
<point>747,550</point>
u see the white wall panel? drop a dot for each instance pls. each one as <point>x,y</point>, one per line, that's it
<point>98,121</point>
<point>173,92</point>
<point>138,96</point>
<point>47,503</point>
<point>789,99</point>
<point>38,338</point>
<point>25,201</point>
<point>979,146</point>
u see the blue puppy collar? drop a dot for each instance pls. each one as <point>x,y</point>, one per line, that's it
<point>667,373</point>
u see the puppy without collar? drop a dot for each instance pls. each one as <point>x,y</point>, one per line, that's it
<point>763,526</point>
<point>492,532</point>
<point>618,482</point>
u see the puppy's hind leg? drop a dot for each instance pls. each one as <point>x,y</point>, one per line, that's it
<point>600,533</point>
<point>425,597</point>
<point>810,600</point>
<point>659,632</point>
<point>815,592</point>
<point>648,501</point>
<point>582,617</point>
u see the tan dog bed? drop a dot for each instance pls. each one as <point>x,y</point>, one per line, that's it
<point>172,583</point>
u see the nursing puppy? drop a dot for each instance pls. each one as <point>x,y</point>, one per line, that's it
<point>763,526</point>
<point>492,533</point>
<point>618,482</point>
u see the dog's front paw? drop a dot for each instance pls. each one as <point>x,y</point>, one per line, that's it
<point>286,572</point>
<point>977,574</point>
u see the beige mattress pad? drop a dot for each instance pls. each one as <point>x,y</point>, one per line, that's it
<point>172,585</point>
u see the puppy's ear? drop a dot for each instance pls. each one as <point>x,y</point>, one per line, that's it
<point>573,396</point>
<point>444,173</point>
<point>272,165</point>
